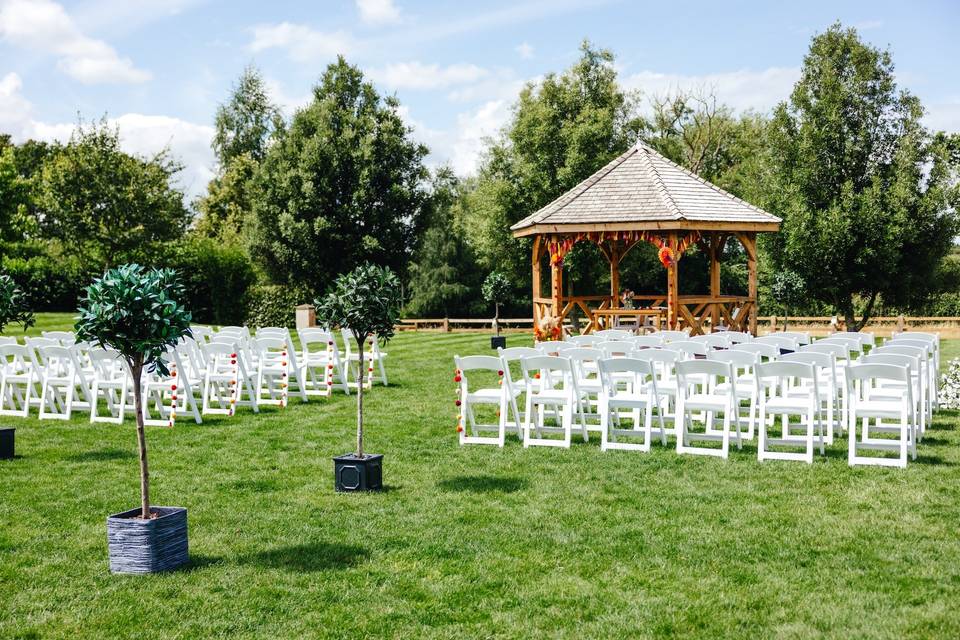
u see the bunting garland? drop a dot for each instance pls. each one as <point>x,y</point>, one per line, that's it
<point>559,246</point>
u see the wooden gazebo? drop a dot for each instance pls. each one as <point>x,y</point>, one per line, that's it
<point>642,196</point>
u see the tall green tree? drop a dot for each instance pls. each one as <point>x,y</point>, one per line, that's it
<point>443,274</point>
<point>245,123</point>
<point>228,201</point>
<point>868,196</point>
<point>344,184</point>
<point>563,129</point>
<point>107,206</point>
<point>14,199</point>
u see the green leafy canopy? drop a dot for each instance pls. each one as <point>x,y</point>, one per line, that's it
<point>13,304</point>
<point>366,300</point>
<point>137,311</point>
<point>496,288</point>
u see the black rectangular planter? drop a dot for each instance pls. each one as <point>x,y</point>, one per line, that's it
<point>498,341</point>
<point>351,473</point>
<point>148,546</point>
<point>7,443</point>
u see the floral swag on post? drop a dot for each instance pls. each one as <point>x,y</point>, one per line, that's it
<point>559,246</point>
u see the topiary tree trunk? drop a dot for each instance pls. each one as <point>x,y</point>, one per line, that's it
<point>136,370</point>
<point>361,341</point>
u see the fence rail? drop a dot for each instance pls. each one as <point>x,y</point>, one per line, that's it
<point>949,326</point>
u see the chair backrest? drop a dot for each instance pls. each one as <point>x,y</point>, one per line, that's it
<point>269,344</point>
<point>543,366</point>
<point>738,337</point>
<point>897,359</point>
<point>580,356</point>
<point>273,332</point>
<point>585,341</point>
<point>689,347</point>
<point>670,335</point>
<point>310,337</point>
<point>836,349</point>
<point>926,345</point>
<point>816,358</point>
<point>643,369</point>
<point>778,340</point>
<point>874,371</point>
<point>614,334</point>
<point>478,363</point>
<point>66,338</point>
<point>921,352</point>
<point>934,338</point>
<point>201,333</point>
<point>37,343</point>
<point>762,349</point>
<point>851,342</point>
<point>652,341</point>
<point>785,369</point>
<point>552,347</point>
<point>8,340</point>
<point>58,360</point>
<point>740,359</point>
<point>800,337</point>
<point>510,354</point>
<point>718,340</point>
<point>615,348</point>
<point>713,368</point>
<point>107,364</point>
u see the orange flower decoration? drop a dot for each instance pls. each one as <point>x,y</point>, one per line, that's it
<point>667,258</point>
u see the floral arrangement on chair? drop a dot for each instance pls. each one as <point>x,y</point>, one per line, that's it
<point>626,297</point>
<point>950,390</point>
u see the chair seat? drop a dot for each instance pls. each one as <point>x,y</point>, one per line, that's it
<point>488,395</point>
<point>706,401</point>
<point>790,403</point>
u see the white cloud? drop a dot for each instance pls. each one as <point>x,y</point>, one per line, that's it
<point>525,49</point>
<point>416,75</point>
<point>287,102</point>
<point>14,108</point>
<point>741,90</point>
<point>473,128</point>
<point>944,116</point>
<point>868,25</point>
<point>43,25</point>
<point>378,11</point>
<point>141,134</point>
<point>302,43</point>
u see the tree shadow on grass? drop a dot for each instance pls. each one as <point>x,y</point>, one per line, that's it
<point>101,455</point>
<point>483,484</point>
<point>313,556</point>
<point>933,461</point>
<point>201,561</point>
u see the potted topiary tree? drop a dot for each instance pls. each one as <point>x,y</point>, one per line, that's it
<point>13,309</point>
<point>496,289</point>
<point>367,302</point>
<point>137,311</point>
<point>787,289</point>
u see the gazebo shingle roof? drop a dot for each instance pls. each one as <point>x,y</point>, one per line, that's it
<point>641,188</point>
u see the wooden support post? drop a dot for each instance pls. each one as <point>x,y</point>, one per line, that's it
<point>535,267</point>
<point>749,242</point>
<point>556,288</point>
<point>717,242</point>
<point>614,274</point>
<point>673,290</point>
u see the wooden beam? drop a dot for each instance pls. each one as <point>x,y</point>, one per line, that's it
<point>649,225</point>
<point>749,242</point>
<point>556,288</point>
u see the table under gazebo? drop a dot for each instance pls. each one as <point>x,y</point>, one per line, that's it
<point>642,196</point>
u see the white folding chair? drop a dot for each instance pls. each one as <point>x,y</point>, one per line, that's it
<point>201,333</point>
<point>738,337</point>
<point>511,355</point>
<point>862,380</point>
<point>21,377</point>
<point>745,388</point>
<point>503,396</point>
<point>169,395</point>
<point>777,383</point>
<point>800,337</point>
<point>930,360</point>
<point>585,340</point>
<point>323,369</point>
<point>110,380</point>
<point>697,382</point>
<point>584,363</point>
<point>273,370</point>
<point>556,389</point>
<point>652,341</point>
<point>663,363</point>
<point>628,383</point>
<point>671,335</point>
<point>228,384</point>
<point>922,356</point>
<point>373,356</point>
<point>829,386</point>
<point>552,347</point>
<point>764,351</point>
<point>690,348</point>
<point>894,390</point>
<point>59,380</point>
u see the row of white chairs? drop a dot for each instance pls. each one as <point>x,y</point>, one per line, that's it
<point>214,373</point>
<point>835,385</point>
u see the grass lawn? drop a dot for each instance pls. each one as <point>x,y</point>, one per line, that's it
<point>475,541</point>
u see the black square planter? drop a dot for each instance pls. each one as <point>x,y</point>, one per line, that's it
<point>351,473</point>
<point>498,341</point>
<point>6,443</point>
<point>148,546</point>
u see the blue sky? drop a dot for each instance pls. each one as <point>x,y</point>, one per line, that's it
<point>159,68</point>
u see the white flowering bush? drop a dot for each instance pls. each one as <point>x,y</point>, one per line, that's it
<point>950,391</point>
